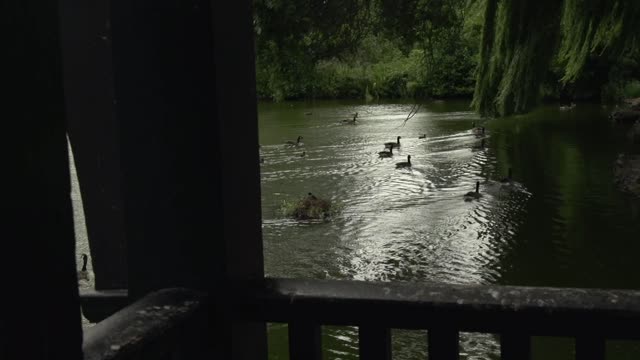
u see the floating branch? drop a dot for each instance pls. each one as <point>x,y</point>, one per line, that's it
<point>414,110</point>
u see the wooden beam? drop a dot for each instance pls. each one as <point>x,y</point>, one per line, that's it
<point>237,118</point>
<point>99,305</point>
<point>305,341</point>
<point>185,88</point>
<point>534,311</point>
<point>374,342</point>
<point>161,325</point>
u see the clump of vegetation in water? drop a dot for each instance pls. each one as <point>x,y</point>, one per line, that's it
<point>309,207</point>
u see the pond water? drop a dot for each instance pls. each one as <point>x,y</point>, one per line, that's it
<point>562,222</point>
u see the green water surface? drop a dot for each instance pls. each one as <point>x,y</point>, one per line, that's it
<point>561,223</point>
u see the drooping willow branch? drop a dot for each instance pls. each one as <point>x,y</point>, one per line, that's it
<point>521,37</point>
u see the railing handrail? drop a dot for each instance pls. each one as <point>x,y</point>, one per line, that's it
<point>613,314</point>
<point>154,324</point>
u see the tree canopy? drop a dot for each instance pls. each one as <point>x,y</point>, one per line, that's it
<point>521,39</point>
<point>509,49</point>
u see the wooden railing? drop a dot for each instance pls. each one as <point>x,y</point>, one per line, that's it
<point>515,313</point>
<point>591,316</point>
<point>163,325</point>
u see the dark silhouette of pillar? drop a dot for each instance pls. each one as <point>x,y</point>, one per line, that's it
<point>40,315</point>
<point>93,133</point>
<point>186,110</point>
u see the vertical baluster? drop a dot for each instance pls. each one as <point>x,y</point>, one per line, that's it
<point>515,346</point>
<point>590,348</point>
<point>443,344</point>
<point>375,343</point>
<point>305,341</point>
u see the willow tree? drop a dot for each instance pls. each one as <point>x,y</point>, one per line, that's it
<point>520,39</point>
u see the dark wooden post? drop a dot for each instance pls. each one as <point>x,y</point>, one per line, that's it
<point>239,171</point>
<point>88,79</point>
<point>185,91</point>
<point>40,316</point>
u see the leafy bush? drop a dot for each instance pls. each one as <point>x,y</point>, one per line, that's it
<point>632,90</point>
<point>377,69</point>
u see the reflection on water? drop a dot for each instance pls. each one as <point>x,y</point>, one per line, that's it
<point>561,223</point>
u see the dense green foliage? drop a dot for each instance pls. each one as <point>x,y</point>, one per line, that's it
<point>588,42</point>
<point>508,54</point>
<point>363,49</point>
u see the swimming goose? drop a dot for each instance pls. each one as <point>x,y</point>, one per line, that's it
<point>83,274</point>
<point>296,143</point>
<point>473,195</point>
<point>404,164</point>
<point>568,107</point>
<point>303,154</point>
<point>477,129</point>
<point>393,144</point>
<point>386,154</point>
<point>423,136</point>
<point>353,121</point>
<point>479,132</point>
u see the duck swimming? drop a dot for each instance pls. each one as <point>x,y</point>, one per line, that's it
<point>404,164</point>
<point>479,131</point>
<point>353,121</point>
<point>296,143</point>
<point>83,274</point>
<point>423,136</point>
<point>568,107</point>
<point>471,195</point>
<point>393,144</point>
<point>386,154</point>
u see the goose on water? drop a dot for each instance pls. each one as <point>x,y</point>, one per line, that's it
<point>393,144</point>
<point>295,143</point>
<point>473,194</point>
<point>353,121</point>
<point>568,107</point>
<point>386,154</point>
<point>479,130</point>
<point>404,164</point>
<point>83,274</point>
<point>423,136</point>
